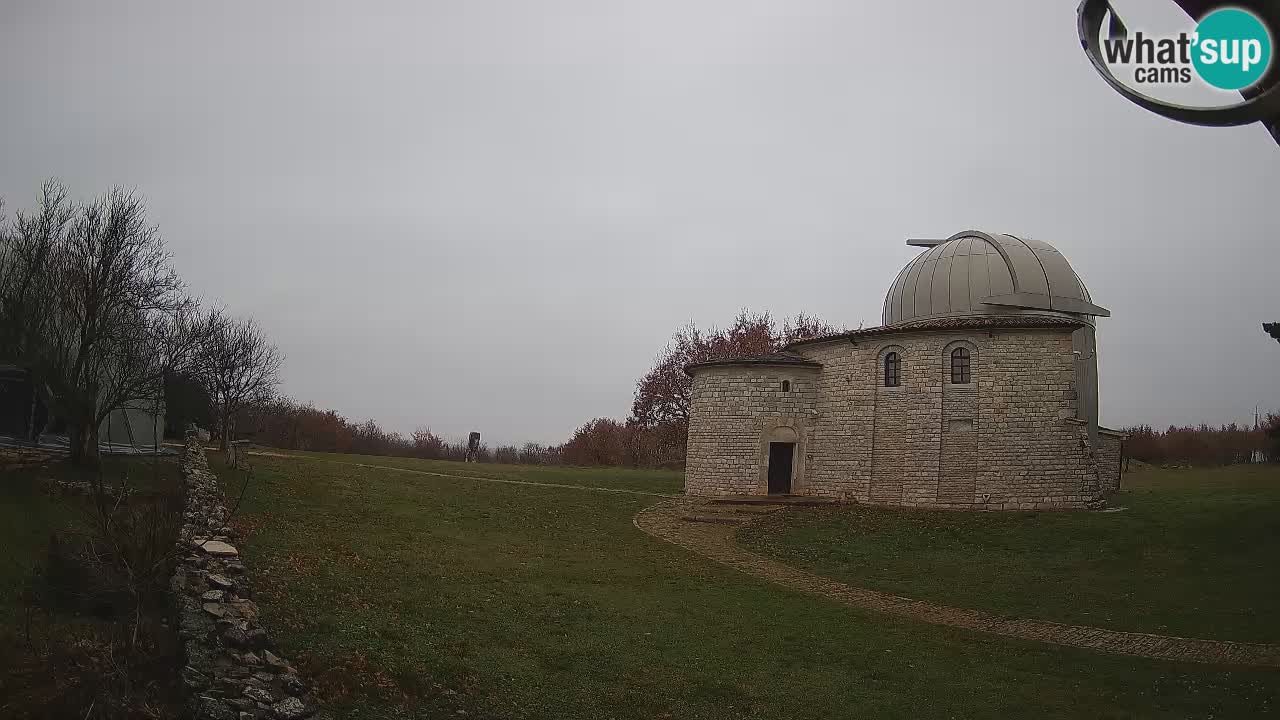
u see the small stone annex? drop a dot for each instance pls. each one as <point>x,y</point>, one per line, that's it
<point>979,391</point>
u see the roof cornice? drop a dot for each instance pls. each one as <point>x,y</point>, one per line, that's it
<point>978,322</point>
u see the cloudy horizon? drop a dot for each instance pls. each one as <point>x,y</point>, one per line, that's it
<point>491,216</point>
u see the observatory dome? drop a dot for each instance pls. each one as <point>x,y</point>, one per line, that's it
<point>974,273</point>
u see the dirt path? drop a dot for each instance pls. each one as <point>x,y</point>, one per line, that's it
<point>716,541</point>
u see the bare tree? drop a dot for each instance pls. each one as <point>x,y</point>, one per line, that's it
<point>93,309</point>
<point>237,366</point>
<point>26,247</point>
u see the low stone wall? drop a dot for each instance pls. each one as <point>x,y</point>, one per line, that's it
<point>231,671</point>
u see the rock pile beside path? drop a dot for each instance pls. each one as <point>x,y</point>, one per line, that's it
<point>231,670</point>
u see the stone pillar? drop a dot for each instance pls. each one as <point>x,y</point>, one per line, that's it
<point>473,447</point>
<point>238,454</point>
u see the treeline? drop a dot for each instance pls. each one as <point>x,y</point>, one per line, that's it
<point>608,442</point>
<point>286,424</point>
<point>654,436</point>
<point>290,425</point>
<point>1205,445</point>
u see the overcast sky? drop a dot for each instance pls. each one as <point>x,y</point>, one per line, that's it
<point>492,215</point>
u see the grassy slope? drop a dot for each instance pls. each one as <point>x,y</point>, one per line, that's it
<point>28,515</point>
<point>655,481</point>
<point>516,601</point>
<point>1195,553</point>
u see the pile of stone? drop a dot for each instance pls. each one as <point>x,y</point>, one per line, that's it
<point>231,671</point>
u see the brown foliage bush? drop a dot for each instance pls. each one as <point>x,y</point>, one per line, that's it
<point>1203,444</point>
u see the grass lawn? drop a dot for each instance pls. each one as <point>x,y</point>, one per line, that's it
<point>410,595</point>
<point>1194,553</point>
<point>650,481</point>
<point>73,658</point>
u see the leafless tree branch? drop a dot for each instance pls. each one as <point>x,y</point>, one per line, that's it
<point>237,365</point>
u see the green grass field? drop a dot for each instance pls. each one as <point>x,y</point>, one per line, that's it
<point>1194,553</point>
<point>648,481</point>
<point>411,595</point>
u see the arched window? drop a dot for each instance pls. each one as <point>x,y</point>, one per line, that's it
<point>786,386</point>
<point>892,370</point>
<point>960,366</point>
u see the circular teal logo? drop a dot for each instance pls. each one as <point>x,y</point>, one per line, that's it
<point>1232,49</point>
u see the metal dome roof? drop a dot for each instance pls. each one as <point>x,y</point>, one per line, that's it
<point>977,273</point>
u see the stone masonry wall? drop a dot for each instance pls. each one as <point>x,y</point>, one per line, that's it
<point>1009,440</point>
<point>959,455</point>
<point>1033,456</point>
<point>1110,459</point>
<point>231,671</point>
<point>731,410</point>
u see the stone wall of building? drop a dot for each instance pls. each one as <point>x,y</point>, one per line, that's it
<point>1033,456</point>
<point>734,410</point>
<point>1010,439</point>
<point>1110,459</point>
<point>960,459</point>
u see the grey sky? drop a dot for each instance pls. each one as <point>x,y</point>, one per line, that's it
<point>491,215</point>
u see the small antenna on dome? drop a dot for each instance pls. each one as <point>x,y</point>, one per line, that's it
<point>924,242</point>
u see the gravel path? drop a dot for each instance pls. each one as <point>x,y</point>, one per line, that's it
<point>716,541</point>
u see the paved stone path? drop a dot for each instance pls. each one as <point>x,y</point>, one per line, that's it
<point>716,541</point>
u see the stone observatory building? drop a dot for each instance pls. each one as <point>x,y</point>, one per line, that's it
<point>979,391</point>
